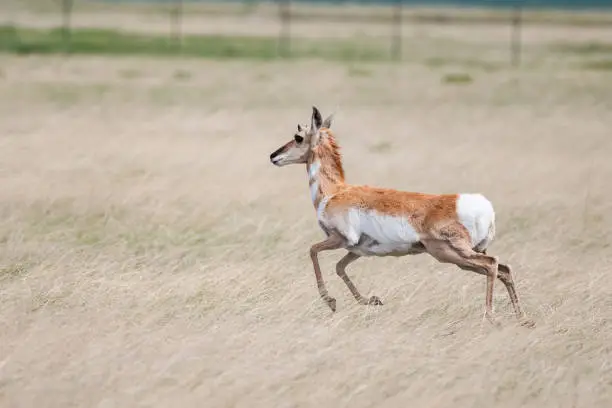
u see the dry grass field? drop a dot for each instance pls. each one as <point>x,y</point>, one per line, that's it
<point>152,256</point>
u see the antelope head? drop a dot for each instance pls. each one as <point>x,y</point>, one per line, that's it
<point>299,148</point>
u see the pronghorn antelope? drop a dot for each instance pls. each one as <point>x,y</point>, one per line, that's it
<point>370,221</point>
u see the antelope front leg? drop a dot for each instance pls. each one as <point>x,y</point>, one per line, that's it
<point>333,242</point>
<point>341,271</point>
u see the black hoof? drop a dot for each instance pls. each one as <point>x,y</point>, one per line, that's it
<point>331,302</point>
<point>374,300</point>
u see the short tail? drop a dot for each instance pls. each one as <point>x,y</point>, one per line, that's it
<point>482,245</point>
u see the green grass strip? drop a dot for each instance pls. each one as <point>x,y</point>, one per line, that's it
<point>20,40</point>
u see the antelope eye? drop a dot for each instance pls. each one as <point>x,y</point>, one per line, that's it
<point>298,138</point>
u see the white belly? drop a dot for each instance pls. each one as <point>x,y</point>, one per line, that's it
<point>369,233</point>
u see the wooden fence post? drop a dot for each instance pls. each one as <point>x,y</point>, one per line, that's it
<point>516,40</point>
<point>396,42</point>
<point>177,24</point>
<point>67,6</point>
<point>284,40</point>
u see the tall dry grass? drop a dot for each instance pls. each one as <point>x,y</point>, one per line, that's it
<point>152,256</point>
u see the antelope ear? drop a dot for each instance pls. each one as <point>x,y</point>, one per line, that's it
<point>317,121</point>
<point>328,121</point>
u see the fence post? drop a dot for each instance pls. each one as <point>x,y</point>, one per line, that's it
<point>177,24</point>
<point>396,42</point>
<point>516,40</point>
<point>284,40</point>
<point>66,23</point>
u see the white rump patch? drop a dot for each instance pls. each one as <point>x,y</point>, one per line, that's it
<point>476,214</point>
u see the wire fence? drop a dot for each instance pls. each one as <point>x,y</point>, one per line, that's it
<point>394,14</point>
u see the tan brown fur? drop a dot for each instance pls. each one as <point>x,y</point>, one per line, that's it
<point>329,153</point>
<point>424,211</point>
<point>331,173</point>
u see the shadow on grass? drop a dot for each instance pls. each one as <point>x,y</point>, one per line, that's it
<point>459,78</point>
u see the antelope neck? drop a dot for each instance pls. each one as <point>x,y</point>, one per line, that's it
<point>325,176</point>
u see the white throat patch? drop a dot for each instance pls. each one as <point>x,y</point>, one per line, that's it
<point>314,170</point>
<point>313,173</point>
<point>314,189</point>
